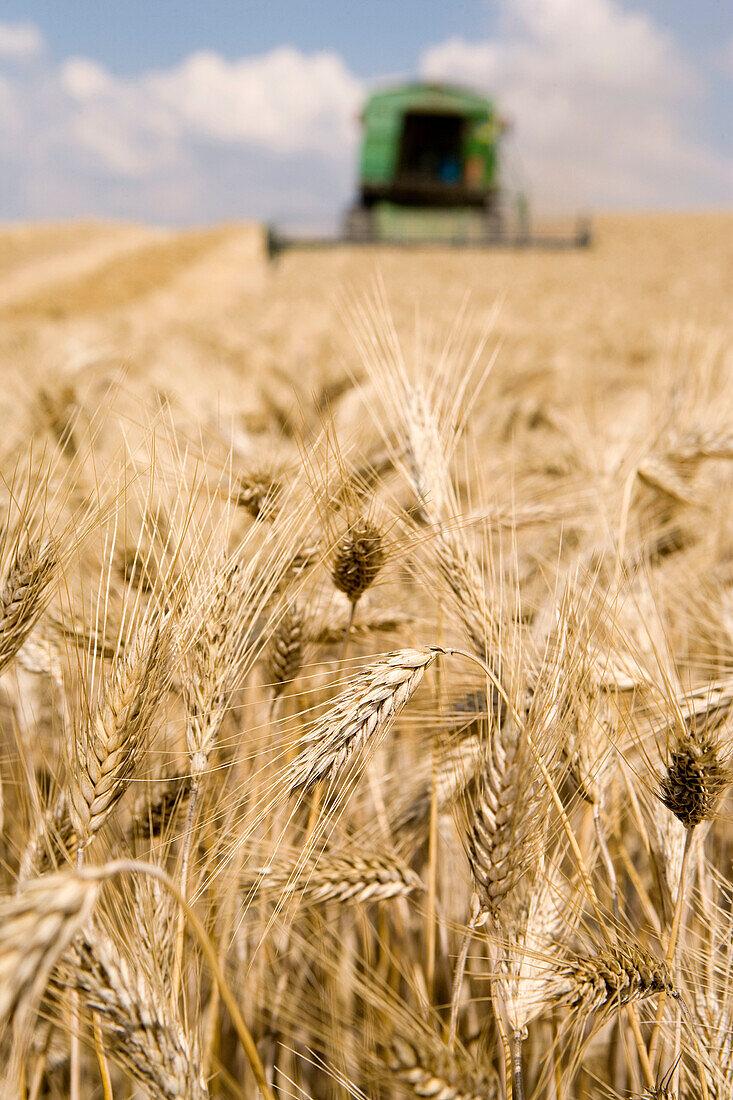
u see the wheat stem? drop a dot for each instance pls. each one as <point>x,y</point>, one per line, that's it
<point>37,1079</point>
<point>458,977</point>
<point>506,1046</point>
<point>74,1043</point>
<point>185,863</point>
<point>517,1075</point>
<point>74,1051</point>
<point>432,873</point>
<point>679,903</point>
<point>699,1055</point>
<point>606,857</point>
<point>646,1064</point>
<point>347,635</point>
<point>556,1057</point>
<point>673,938</point>
<point>101,1058</point>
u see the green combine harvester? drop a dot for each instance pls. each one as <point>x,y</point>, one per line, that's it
<point>429,173</point>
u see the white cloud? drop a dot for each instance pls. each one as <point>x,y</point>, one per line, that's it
<point>118,125</point>
<point>20,41</point>
<point>271,135</point>
<point>596,43</point>
<point>83,79</point>
<point>599,96</point>
<point>285,101</point>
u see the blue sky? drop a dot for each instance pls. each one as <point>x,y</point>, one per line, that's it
<point>184,112</point>
<point>132,35</point>
<point>372,35</point>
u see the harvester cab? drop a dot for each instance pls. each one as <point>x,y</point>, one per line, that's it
<point>428,166</point>
<point>429,173</point>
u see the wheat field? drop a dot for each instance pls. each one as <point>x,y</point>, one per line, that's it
<point>366,639</point>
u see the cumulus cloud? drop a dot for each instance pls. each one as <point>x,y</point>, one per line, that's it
<point>602,100</point>
<point>206,138</point>
<point>599,96</point>
<point>20,41</point>
<point>284,102</point>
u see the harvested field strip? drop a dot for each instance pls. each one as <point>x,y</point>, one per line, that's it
<point>118,281</point>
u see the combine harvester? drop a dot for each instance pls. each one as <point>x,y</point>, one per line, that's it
<point>429,174</point>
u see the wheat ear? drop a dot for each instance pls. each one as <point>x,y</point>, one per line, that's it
<point>360,717</point>
<point>36,926</point>
<point>358,558</point>
<point>612,977</point>
<point>107,749</point>
<point>24,594</point>
<point>342,876</point>
<point>435,1073</point>
<point>691,788</point>
<point>141,1032</point>
<point>284,655</point>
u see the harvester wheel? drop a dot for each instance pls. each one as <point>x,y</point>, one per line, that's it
<point>360,224</point>
<point>493,224</point>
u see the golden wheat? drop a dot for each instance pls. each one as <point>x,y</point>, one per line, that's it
<point>408,875</point>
